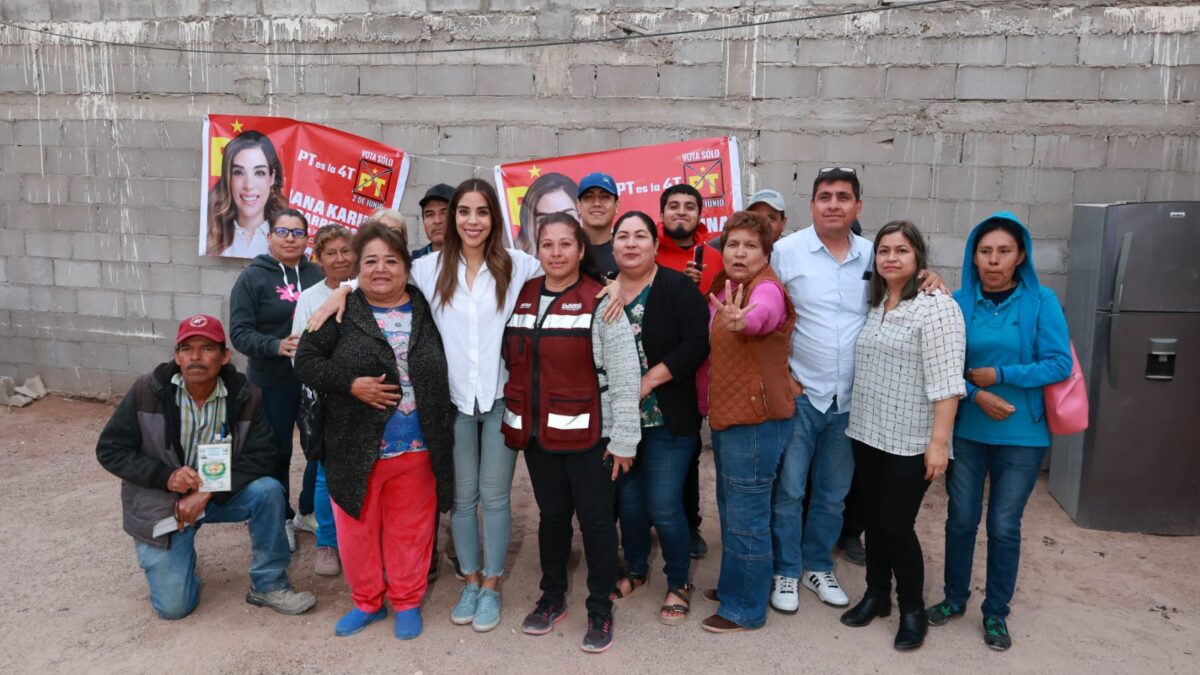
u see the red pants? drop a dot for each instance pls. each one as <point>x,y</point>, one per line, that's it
<point>387,549</point>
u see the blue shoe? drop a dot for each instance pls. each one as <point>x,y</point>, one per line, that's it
<point>356,620</point>
<point>464,610</point>
<point>487,613</point>
<point>408,624</point>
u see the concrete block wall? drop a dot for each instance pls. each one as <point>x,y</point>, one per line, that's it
<point>949,112</point>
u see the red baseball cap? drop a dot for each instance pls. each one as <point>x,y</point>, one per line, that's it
<point>202,325</point>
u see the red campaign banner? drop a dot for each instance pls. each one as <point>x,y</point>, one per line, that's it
<point>711,165</point>
<point>255,166</point>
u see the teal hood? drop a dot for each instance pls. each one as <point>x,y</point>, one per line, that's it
<point>1026,274</point>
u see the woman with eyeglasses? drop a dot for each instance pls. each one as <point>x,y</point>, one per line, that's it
<point>261,306</point>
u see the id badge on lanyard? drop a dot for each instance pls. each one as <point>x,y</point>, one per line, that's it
<point>214,462</point>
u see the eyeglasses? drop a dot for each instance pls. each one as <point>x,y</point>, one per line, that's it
<point>283,232</point>
<point>841,169</point>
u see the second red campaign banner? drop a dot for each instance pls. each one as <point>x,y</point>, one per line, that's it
<point>711,165</point>
<point>255,166</point>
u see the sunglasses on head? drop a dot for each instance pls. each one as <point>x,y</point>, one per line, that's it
<point>842,169</point>
<point>283,232</point>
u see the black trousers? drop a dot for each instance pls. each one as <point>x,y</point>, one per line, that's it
<point>566,484</point>
<point>893,487</point>
<point>691,491</point>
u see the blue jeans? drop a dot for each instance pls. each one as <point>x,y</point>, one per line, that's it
<point>281,406</point>
<point>171,572</point>
<point>747,459</point>
<point>483,474</point>
<point>1012,471</point>
<point>818,444</point>
<point>652,494</point>
<point>323,508</point>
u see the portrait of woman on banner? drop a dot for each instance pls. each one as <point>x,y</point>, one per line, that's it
<point>550,193</point>
<point>248,192</point>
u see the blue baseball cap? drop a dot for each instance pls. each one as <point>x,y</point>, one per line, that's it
<point>601,180</point>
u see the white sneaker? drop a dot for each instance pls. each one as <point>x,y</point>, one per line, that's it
<point>825,585</point>
<point>783,594</point>
<point>290,530</point>
<point>305,523</point>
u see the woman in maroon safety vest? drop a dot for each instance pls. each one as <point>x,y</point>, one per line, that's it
<point>571,403</point>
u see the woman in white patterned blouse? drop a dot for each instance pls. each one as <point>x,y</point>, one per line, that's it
<point>907,381</point>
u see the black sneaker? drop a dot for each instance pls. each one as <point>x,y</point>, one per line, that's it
<point>995,634</point>
<point>699,546</point>
<point>543,617</point>
<point>942,612</point>
<point>854,551</point>
<point>599,635</point>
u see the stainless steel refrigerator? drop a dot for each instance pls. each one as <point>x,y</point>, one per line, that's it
<point>1133,305</point>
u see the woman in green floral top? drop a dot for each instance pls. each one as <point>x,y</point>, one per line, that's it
<point>670,326</point>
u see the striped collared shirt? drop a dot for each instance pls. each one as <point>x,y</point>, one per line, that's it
<point>199,423</point>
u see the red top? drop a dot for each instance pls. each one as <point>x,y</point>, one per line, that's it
<point>671,255</point>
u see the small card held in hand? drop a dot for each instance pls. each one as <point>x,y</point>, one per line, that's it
<point>213,460</point>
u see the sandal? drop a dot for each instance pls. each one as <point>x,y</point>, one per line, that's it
<point>635,581</point>
<point>674,614</point>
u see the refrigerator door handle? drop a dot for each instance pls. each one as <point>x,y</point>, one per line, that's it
<point>1118,291</point>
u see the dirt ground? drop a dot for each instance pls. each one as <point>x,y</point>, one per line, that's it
<point>74,599</point>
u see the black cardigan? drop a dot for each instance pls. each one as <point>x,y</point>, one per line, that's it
<point>330,359</point>
<point>675,332</point>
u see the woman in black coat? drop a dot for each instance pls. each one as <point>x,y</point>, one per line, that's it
<point>389,432</point>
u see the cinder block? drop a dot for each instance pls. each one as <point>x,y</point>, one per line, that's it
<point>987,149</point>
<point>58,353</point>
<point>170,164</point>
<point>822,51</point>
<point>1187,83</point>
<point>6,132</point>
<point>857,149</point>
<point>187,304</point>
<point>582,80</point>
<point>1165,186</point>
<point>104,356</point>
<point>19,350</point>
<point>909,181</point>
<point>1137,84</point>
<point>936,82</point>
<point>217,281</point>
<point>17,79</point>
<point>1037,185</point>
<point>626,81</point>
<point>1064,84</point>
<point>468,141</point>
<point>787,146</point>
<point>393,80</point>
<point>12,242</point>
<point>14,297</point>
<point>1109,185</point>
<point>175,278</point>
<point>76,273</point>
<point>422,140</point>
<point>49,244</point>
<point>22,159</point>
<point>287,7</point>
<point>33,271</point>
<point>86,133</point>
<point>1050,220</point>
<point>968,182</point>
<point>149,306</point>
<point>577,141</point>
<point>101,303</point>
<point>504,80</point>
<point>858,82</point>
<point>51,299</point>
<point>1184,152</point>
<point>3,271</point>
<point>1042,50</point>
<point>1129,49</point>
<point>37,132</point>
<point>937,148</point>
<point>68,161</point>
<point>126,276</point>
<point>527,141</point>
<point>1070,152</point>
<point>1050,255</point>
<point>991,84</point>
<point>785,82</point>
<point>1138,152</point>
<point>977,50</point>
<point>445,80</point>
<point>692,81</point>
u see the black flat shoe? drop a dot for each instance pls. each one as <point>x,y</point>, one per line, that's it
<point>866,610</point>
<point>913,626</point>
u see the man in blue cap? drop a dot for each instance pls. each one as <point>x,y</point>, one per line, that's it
<point>598,202</point>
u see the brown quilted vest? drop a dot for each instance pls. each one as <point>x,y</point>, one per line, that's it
<point>749,381</point>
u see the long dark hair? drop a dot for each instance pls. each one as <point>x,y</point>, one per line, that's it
<point>498,260</point>
<point>913,235</point>
<point>222,212</point>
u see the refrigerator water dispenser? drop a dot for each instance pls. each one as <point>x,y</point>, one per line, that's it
<point>1160,359</point>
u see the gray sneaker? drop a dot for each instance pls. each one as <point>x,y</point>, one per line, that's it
<point>328,564</point>
<point>284,601</point>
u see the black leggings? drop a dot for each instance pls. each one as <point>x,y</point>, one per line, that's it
<point>892,489</point>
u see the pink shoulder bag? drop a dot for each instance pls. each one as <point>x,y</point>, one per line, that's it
<point>1066,401</point>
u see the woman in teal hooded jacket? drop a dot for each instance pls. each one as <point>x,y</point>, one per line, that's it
<point>1017,343</point>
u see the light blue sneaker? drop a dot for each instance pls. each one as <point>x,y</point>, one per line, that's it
<point>408,624</point>
<point>487,613</point>
<point>356,620</point>
<point>464,610</point>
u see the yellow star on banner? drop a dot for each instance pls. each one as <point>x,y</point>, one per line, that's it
<point>534,171</point>
<point>237,126</point>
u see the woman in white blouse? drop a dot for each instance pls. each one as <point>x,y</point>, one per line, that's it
<point>908,377</point>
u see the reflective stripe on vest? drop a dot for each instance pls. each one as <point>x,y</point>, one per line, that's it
<point>565,422</point>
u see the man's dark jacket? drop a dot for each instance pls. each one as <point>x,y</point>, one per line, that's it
<point>329,361</point>
<point>140,445</point>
